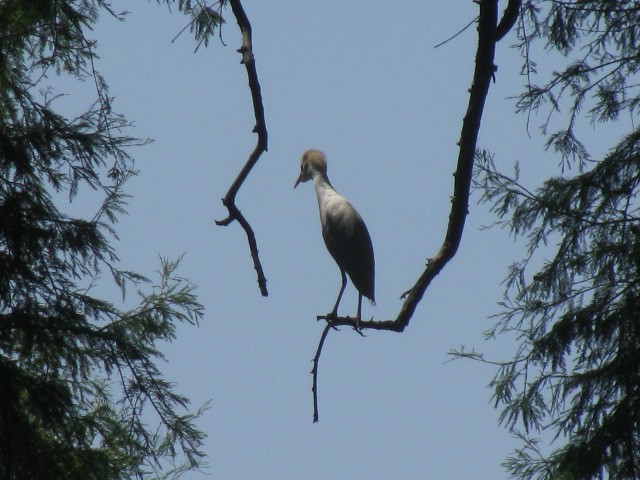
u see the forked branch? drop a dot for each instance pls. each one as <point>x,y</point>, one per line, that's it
<point>483,74</point>
<point>260,128</point>
<point>489,32</point>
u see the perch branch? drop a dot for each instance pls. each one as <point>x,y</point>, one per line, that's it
<point>482,76</point>
<point>483,73</point>
<point>260,128</point>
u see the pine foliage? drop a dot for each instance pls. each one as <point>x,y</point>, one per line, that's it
<point>576,314</point>
<point>81,395</point>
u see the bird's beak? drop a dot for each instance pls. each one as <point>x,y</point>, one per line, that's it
<point>298,180</point>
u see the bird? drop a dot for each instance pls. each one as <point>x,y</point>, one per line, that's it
<point>344,232</point>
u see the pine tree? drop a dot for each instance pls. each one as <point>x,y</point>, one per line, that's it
<point>80,394</point>
<point>576,315</point>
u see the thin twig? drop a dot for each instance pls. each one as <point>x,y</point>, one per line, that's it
<point>220,5</point>
<point>314,370</point>
<point>529,69</point>
<point>261,146</point>
<point>457,33</point>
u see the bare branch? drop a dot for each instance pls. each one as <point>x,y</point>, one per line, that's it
<point>261,146</point>
<point>484,72</point>
<point>314,370</point>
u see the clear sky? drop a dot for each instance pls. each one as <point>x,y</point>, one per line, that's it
<point>362,81</point>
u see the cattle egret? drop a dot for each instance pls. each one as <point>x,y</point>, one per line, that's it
<point>344,232</point>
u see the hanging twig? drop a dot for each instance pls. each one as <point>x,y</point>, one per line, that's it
<point>314,370</point>
<point>261,129</point>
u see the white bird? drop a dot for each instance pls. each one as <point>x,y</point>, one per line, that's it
<point>345,233</point>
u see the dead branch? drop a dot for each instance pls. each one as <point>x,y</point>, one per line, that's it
<point>484,72</point>
<point>314,370</point>
<point>261,146</point>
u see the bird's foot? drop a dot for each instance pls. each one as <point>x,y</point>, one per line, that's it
<point>357,327</point>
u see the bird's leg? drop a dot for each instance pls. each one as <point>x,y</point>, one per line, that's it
<point>344,284</point>
<point>359,310</point>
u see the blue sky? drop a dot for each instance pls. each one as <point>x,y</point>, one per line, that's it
<point>363,82</point>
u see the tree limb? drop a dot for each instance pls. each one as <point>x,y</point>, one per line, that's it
<point>261,146</point>
<point>508,20</point>
<point>483,74</point>
<point>484,71</point>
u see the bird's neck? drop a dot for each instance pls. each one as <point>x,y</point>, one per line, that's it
<point>323,187</point>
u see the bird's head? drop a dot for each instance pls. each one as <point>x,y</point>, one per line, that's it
<point>312,162</point>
